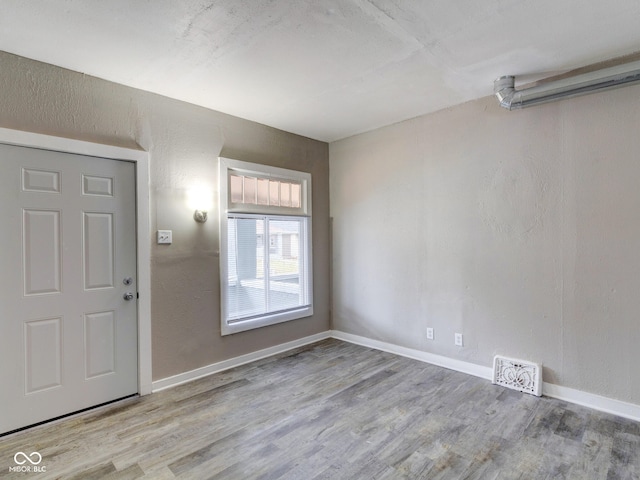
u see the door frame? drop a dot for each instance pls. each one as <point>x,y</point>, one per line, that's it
<point>140,158</point>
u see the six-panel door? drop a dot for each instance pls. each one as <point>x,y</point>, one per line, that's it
<point>68,336</point>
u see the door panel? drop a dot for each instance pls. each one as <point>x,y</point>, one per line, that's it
<point>43,354</point>
<point>68,237</point>
<point>40,181</point>
<point>98,254</point>
<point>100,342</point>
<point>41,245</point>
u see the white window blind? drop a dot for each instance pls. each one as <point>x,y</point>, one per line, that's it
<point>267,262</point>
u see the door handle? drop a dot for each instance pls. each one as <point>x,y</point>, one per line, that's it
<point>128,296</point>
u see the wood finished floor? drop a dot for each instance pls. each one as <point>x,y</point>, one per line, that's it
<point>334,410</point>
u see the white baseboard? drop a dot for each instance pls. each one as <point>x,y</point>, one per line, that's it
<point>590,400</point>
<point>432,358</point>
<point>597,402</point>
<point>185,377</point>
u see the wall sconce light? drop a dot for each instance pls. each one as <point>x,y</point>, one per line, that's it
<point>200,216</point>
<point>199,199</point>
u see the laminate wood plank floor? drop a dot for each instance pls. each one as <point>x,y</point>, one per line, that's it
<point>333,410</point>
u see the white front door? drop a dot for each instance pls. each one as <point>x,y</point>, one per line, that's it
<point>68,333</point>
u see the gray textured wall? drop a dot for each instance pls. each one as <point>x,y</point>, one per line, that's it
<point>520,230</point>
<point>184,142</point>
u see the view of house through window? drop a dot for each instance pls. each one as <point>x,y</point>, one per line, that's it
<point>265,245</point>
<point>266,265</point>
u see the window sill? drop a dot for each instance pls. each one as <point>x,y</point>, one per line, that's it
<point>237,326</point>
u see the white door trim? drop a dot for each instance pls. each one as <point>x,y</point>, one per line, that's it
<point>141,160</point>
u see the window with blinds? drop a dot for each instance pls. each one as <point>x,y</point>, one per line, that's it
<point>265,244</point>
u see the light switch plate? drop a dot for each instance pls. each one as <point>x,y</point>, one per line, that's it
<point>165,237</point>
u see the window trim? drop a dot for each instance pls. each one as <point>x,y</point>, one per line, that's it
<point>226,167</point>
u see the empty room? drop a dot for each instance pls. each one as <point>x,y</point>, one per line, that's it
<point>306,240</point>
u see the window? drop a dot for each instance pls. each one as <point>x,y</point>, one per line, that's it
<point>265,245</point>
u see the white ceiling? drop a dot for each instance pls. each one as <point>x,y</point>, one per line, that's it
<point>325,69</point>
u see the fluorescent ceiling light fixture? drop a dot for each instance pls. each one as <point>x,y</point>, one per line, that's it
<point>591,82</point>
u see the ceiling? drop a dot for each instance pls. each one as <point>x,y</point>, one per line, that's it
<point>325,69</point>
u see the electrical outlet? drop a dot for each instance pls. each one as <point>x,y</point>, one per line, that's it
<point>429,333</point>
<point>165,237</point>
<point>458,339</point>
